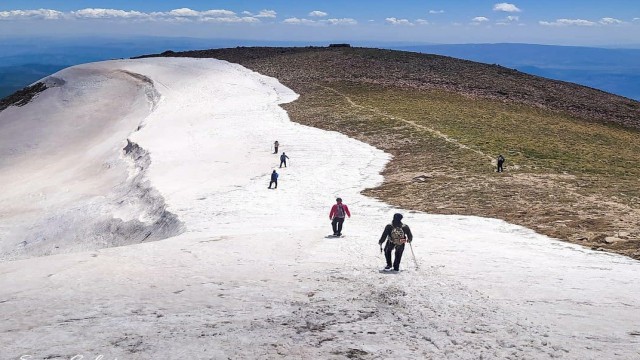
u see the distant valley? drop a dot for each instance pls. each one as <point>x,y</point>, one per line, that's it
<point>24,61</point>
<point>612,70</point>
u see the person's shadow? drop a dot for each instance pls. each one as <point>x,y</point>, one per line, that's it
<point>389,272</point>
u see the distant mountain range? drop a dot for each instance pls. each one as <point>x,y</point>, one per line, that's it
<point>24,61</point>
<point>613,70</point>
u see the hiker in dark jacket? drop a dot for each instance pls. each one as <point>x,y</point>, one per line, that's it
<point>276,144</point>
<point>283,159</point>
<point>396,234</point>
<point>337,214</point>
<point>500,162</point>
<point>274,179</point>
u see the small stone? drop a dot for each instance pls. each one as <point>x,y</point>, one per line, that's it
<point>422,178</point>
<point>623,234</point>
<point>612,239</point>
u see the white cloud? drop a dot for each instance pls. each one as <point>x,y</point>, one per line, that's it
<point>513,18</point>
<point>318,13</point>
<point>506,7</point>
<point>267,14</point>
<point>436,11</point>
<point>262,14</point>
<point>235,19</point>
<point>610,21</point>
<point>40,14</point>
<point>396,21</point>
<point>215,15</point>
<point>568,22</point>
<point>297,21</point>
<point>108,14</point>
<point>344,21</point>
<point>182,12</point>
<point>422,22</point>
<point>175,15</point>
<point>636,19</point>
<point>480,19</point>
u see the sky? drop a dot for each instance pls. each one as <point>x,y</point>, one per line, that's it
<point>567,22</point>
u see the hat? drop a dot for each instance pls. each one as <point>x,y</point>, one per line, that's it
<point>397,217</point>
<point>339,199</point>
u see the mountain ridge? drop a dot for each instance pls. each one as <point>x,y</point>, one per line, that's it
<point>442,72</point>
<point>445,120</point>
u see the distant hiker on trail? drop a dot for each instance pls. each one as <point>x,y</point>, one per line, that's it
<point>396,234</point>
<point>275,146</point>
<point>336,215</point>
<point>283,159</point>
<point>274,179</point>
<point>500,162</point>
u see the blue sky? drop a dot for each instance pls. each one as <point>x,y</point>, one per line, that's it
<point>564,22</point>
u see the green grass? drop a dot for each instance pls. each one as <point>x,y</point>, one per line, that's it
<point>534,139</point>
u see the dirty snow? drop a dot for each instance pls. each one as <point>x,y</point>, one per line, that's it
<point>252,274</point>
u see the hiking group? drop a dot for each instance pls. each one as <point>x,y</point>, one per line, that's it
<point>396,234</point>
<point>283,161</point>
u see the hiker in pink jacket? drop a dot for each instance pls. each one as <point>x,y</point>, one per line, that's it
<point>337,214</point>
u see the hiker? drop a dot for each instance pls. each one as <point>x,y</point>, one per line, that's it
<point>336,215</point>
<point>500,162</point>
<point>283,159</point>
<point>274,179</point>
<point>396,234</point>
<point>275,146</point>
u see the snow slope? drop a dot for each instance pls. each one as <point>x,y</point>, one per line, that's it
<point>252,274</point>
<point>66,184</point>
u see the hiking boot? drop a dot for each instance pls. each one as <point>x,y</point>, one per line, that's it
<point>396,269</point>
<point>387,268</point>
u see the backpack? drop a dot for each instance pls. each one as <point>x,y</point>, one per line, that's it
<point>397,235</point>
<point>340,211</point>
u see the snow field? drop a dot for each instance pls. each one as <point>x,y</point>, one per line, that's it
<point>253,275</point>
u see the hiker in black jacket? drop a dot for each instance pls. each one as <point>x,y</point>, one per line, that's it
<point>500,162</point>
<point>396,234</point>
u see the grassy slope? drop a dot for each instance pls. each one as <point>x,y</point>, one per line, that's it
<point>572,164</point>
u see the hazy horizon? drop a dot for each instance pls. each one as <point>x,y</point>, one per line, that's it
<point>26,59</point>
<point>570,23</point>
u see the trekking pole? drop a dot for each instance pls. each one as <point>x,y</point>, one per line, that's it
<point>414,256</point>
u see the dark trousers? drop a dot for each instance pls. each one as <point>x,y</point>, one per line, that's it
<point>276,151</point>
<point>283,162</point>
<point>387,254</point>
<point>499,166</point>
<point>273,182</point>
<point>337,225</point>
